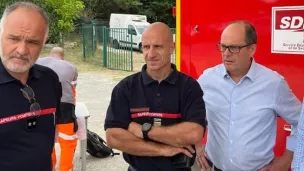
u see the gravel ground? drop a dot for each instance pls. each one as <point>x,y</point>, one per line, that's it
<point>94,89</point>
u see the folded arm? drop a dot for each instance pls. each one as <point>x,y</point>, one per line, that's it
<point>191,130</point>
<point>178,135</point>
<point>125,141</point>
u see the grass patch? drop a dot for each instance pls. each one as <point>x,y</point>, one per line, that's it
<point>74,55</point>
<point>120,59</point>
<point>95,63</point>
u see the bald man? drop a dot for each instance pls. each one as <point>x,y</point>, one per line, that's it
<point>156,115</point>
<point>57,52</point>
<point>66,122</point>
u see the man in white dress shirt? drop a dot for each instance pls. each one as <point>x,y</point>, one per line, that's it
<point>243,100</point>
<point>298,161</point>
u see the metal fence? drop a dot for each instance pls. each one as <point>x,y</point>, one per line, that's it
<point>117,49</point>
<point>87,40</point>
<point>173,59</point>
<point>117,46</point>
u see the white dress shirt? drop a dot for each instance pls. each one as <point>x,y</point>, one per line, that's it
<point>298,159</point>
<point>242,116</point>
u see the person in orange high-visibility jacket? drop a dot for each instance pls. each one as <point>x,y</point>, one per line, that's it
<point>66,123</point>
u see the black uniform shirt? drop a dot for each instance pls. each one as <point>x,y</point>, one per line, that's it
<point>22,147</point>
<point>141,99</point>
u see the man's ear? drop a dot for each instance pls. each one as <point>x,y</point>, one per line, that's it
<point>252,49</point>
<point>172,47</point>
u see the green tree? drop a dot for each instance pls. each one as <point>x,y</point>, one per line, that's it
<point>64,13</point>
<point>158,10</point>
<point>4,4</point>
<point>61,13</point>
<point>102,9</point>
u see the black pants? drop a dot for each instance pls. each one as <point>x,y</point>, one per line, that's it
<point>67,114</point>
<point>212,165</point>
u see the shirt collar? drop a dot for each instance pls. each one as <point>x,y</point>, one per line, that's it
<point>6,77</point>
<point>252,71</point>
<point>34,72</point>
<point>171,79</point>
<point>250,74</point>
<point>56,57</point>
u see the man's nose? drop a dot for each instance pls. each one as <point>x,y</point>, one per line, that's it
<point>22,48</point>
<point>227,52</point>
<point>151,52</point>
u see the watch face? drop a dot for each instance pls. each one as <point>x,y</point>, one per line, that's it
<point>146,126</point>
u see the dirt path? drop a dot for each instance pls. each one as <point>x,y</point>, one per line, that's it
<point>94,89</point>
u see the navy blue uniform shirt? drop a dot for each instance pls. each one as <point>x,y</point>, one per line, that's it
<point>21,149</point>
<point>141,99</point>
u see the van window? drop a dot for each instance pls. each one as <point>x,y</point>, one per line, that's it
<point>141,29</point>
<point>131,30</point>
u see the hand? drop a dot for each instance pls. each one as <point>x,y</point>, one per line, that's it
<point>201,157</point>
<point>135,129</point>
<point>277,164</point>
<point>190,148</point>
<point>169,151</point>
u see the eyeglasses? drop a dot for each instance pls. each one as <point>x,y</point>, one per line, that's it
<point>233,49</point>
<point>29,94</point>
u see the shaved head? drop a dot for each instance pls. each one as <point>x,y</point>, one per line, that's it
<point>160,28</point>
<point>57,52</point>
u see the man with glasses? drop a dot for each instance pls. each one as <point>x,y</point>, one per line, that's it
<point>66,123</point>
<point>29,93</point>
<point>243,99</point>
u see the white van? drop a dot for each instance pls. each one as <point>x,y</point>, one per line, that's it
<point>125,26</point>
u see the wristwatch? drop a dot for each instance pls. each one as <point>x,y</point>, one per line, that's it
<point>146,127</point>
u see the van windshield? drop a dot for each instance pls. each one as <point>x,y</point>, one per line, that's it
<point>141,28</point>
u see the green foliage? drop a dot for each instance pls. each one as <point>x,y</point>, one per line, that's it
<point>102,9</point>
<point>4,4</point>
<point>156,10</point>
<point>127,5</point>
<point>64,13</point>
<point>61,13</point>
<point>67,11</point>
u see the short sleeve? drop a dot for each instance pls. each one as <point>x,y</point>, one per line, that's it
<point>118,112</point>
<point>194,105</point>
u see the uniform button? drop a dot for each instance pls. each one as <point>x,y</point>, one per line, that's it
<point>231,141</point>
<point>231,160</point>
<point>157,94</point>
<point>232,123</point>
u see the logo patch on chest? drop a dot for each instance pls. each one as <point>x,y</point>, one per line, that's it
<point>141,109</point>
